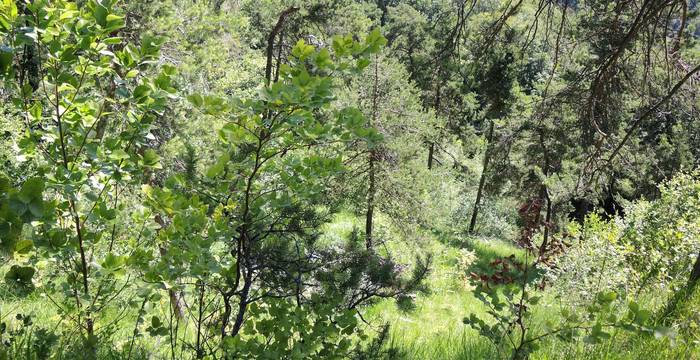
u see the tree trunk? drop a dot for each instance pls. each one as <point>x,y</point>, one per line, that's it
<point>369,217</point>
<point>381,4</point>
<point>482,180</point>
<point>431,151</point>
<point>547,220</point>
<point>436,105</point>
<point>243,300</point>
<point>545,196</point>
<point>271,41</point>
<point>372,186</point>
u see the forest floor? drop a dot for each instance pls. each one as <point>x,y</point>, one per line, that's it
<point>433,328</point>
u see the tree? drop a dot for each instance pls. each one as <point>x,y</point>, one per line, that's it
<point>85,127</point>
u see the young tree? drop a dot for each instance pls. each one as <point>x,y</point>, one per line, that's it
<point>86,126</point>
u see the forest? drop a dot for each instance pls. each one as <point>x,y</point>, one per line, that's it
<point>349,179</point>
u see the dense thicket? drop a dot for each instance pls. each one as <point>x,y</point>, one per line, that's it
<point>256,179</point>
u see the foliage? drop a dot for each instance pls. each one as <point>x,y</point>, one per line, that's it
<point>511,292</point>
<point>665,234</point>
<point>594,261</point>
<point>298,179</point>
<point>86,126</point>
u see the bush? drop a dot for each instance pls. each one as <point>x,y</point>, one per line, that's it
<point>652,249</point>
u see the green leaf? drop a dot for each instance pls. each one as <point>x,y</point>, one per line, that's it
<point>35,111</point>
<point>231,133</point>
<point>6,56</point>
<point>196,100</point>
<point>26,36</point>
<point>32,189</point>
<point>100,13</point>
<point>11,8</point>
<point>362,63</point>
<point>155,322</point>
<point>302,51</point>
<point>151,159</point>
<point>20,275</point>
<point>642,316</point>
<point>114,22</point>
<point>36,207</point>
<point>113,262</point>
<point>24,246</point>
<point>132,74</point>
<point>18,207</point>
<point>323,59</point>
<point>219,166</point>
<point>606,297</point>
<point>112,40</point>
<point>118,155</point>
<point>375,41</point>
<point>142,91</point>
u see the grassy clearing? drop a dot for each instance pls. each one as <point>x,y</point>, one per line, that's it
<point>434,328</point>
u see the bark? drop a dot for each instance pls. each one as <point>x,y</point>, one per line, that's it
<point>243,302</point>
<point>381,4</point>
<point>547,220</point>
<point>242,252</point>
<point>545,195</point>
<point>199,350</point>
<point>372,187</point>
<point>431,152</point>
<point>431,148</point>
<point>271,41</point>
<point>482,180</point>
<point>369,217</point>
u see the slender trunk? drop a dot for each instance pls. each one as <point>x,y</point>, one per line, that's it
<point>381,4</point>
<point>176,298</point>
<point>431,148</point>
<point>227,314</point>
<point>279,56</point>
<point>545,196</point>
<point>547,220</point>
<point>431,151</point>
<point>271,41</point>
<point>198,348</point>
<point>372,188</point>
<point>84,266</point>
<point>482,180</point>
<point>370,202</point>
<point>242,304</point>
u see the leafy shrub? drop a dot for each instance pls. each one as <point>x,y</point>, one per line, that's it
<point>652,249</point>
<point>662,237</point>
<point>595,261</point>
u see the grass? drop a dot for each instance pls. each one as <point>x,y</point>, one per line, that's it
<point>433,329</point>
